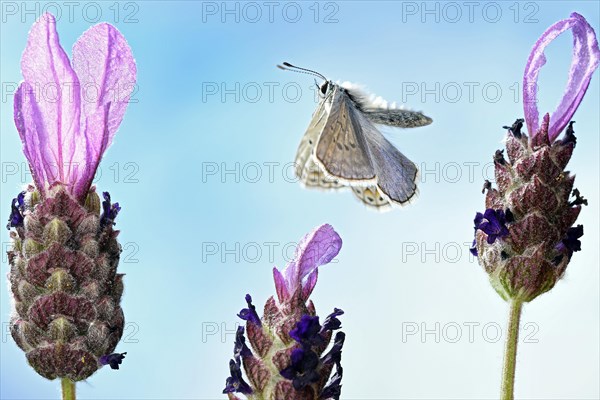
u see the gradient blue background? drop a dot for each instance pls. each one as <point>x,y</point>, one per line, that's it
<point>173,299</point>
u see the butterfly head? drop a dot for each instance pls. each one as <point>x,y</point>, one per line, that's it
<point>326,87</point>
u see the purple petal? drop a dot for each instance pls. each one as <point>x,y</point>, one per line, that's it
<point>28,122</point>
<point>106,69</point>
<point>478,219</point>
<point>47,116</point>
<point>491,238</point>
<point>486,227</point>
<point>310,283</point>
<point>489,214</point>
<point>473,248</point>
<point>315,249</point>
<point>586,55</point>
<point>280,285</point>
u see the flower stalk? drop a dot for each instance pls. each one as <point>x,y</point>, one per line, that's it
<point>510,350</point>
<point>68,389</point>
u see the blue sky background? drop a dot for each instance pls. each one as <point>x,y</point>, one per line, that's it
<point>397,272</point>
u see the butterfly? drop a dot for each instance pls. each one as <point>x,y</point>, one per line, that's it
<point>342,146</point>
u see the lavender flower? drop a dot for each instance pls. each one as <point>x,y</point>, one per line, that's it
<point>64,255</point>
<point>287,359</point>
<point>522,237</point>
<point>525,238</point>
<point>114,360</point>
<point>492,223</point>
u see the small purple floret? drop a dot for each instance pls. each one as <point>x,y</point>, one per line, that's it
<point>333,390</point>
<point>303,369</point>
<point>473,248</point>
<point>235,382</point>
<point>304,366</point>
<point>21,200</point>
<point>493,224</point>
<point>571,242</point>
<point>516,127</point>
<point>332,322</point>
<point>249,314</point>
<point>240,348</point>
<point>307,331</point>
<point>16,214</point>
<point>334,356</point>
<point>114,360</point>
<point>110,211</point>
<point>569,135</point>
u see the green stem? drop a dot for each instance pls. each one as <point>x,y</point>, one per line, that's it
<point>510,351</point>
<point>68,389</point>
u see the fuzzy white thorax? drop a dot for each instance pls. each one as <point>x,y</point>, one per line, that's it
<point>369,100</point>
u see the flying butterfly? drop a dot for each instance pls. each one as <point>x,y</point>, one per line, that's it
<point>342,146</point>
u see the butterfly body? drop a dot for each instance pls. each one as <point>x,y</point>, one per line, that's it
<point>342,147</point>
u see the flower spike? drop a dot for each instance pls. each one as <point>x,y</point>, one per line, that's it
<point>63,277</point>
<point>285,359</point>
<point>526,237</point>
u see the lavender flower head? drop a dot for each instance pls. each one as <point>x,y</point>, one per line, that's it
<point>288,356</point>
<point>525,238</point>
<point>64,255</point>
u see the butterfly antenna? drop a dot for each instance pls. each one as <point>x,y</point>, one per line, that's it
<point>289,67</point>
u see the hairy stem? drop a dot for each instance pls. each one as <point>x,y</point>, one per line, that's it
<point>68,389</point>
<point>510,351</point>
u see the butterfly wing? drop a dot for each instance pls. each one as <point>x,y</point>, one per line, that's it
<point>341,149</point>
<point>396,174</point>
<point>307,170</point>
<point>397,117</point>
<point>372,197</point>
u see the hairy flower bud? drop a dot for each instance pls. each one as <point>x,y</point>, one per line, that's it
<point>63,327</point>
<point>525,238</point>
